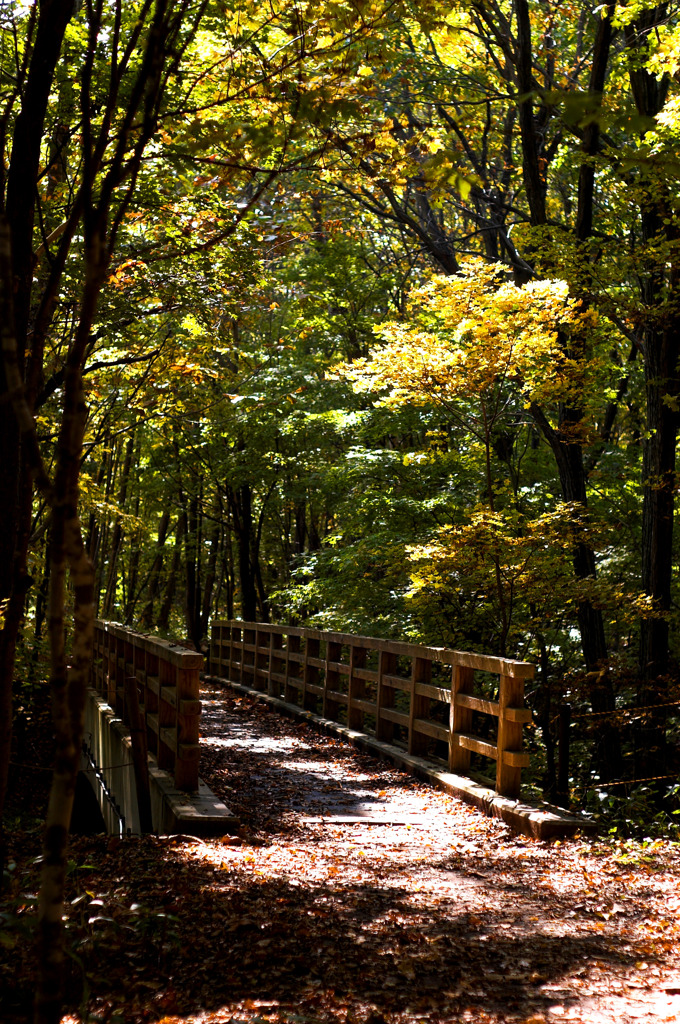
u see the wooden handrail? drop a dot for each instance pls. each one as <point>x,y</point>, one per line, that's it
<point>395,700</point>
<point>167,681</point>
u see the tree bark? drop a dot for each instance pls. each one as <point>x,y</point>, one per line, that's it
<point>240,503</point>
<point>661,349</point>
<point>110,594</point>
<point>17,277</point>
<point>146,619</point>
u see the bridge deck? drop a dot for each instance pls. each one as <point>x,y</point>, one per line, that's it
<point>347,803</point>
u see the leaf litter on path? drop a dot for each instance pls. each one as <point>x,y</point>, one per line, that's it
<point>356,894</point>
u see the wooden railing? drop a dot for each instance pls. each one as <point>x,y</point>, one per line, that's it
<point>152,684</point>
<point>419,698</point>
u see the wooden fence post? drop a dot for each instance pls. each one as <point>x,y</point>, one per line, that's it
<point>310,676</point>
<point>167,713</point>
<point>387,665</point>
<point>462,681</point>
<point>138,742</point>
<point>188,714</point>
<point>218,631</point>
<point>248,657</point>
<point>331,680</point>
<point>508,771</point>
<point>277,658</point>
<point>292,669</point>
<point>419,706</point>
<point>356,688</point>
<point>234,640</point>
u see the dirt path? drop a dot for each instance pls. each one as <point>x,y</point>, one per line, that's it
<point>354,895</point>
<point>366,895</point>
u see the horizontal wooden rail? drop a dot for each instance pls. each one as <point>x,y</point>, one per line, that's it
<point>164,694</point>
<point>410,695</point>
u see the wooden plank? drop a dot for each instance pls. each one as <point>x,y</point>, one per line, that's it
<point>356,688</point>
<point>369,674</point>
<point>396,682</point>
<point>294,682</point>
<point>190,752</point>
<point>384,728</point>
<point>167,715</point>
<point>139,747</point>
<point>465,659</point>
<point>508,776</point>
<point>338,666</point>
<point>478,746</point>
<point>516,758</point>
<point>398,717</point>
<point>261,660</point>
<point>310,674</point>
<point>368,706</point>
<point>337,698</point>
<point>218,648</point>
<point>487,707</point>
<point>434,692</point>
<point>419,706</point>
<point>460,718</point>
<point>433,729</point>
<point>169,695</point>
<point>186,765</point>
<point>248,655</point>
<point>190,707</point>
<point>496,666</point>
<point>331,707</point>
<point>152,722</point>
<point>276,655</point>
<point>521,715</point>
<point>169,738</point>
<point>234,640</point>
<point>153,683</point>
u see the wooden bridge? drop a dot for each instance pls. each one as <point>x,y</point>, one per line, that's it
<point>428,709</point>
<point>420,699</point>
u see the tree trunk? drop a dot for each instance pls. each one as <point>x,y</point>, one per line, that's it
<point>146,618</point>
<point>171,584</point>
<point>240,503</point>
<point>110,595</point>
<point>661,343</point>
<point>16,279</point>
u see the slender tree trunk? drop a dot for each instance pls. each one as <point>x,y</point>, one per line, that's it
<point>171,584</point>
<point>192,562</point>
<point>16,279</point>
<point>98,540</point>
<point>110,595</point>
<point>133,571</point>
<point>240,502</point>
<point>146,618</point>
<point>661,343</point>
